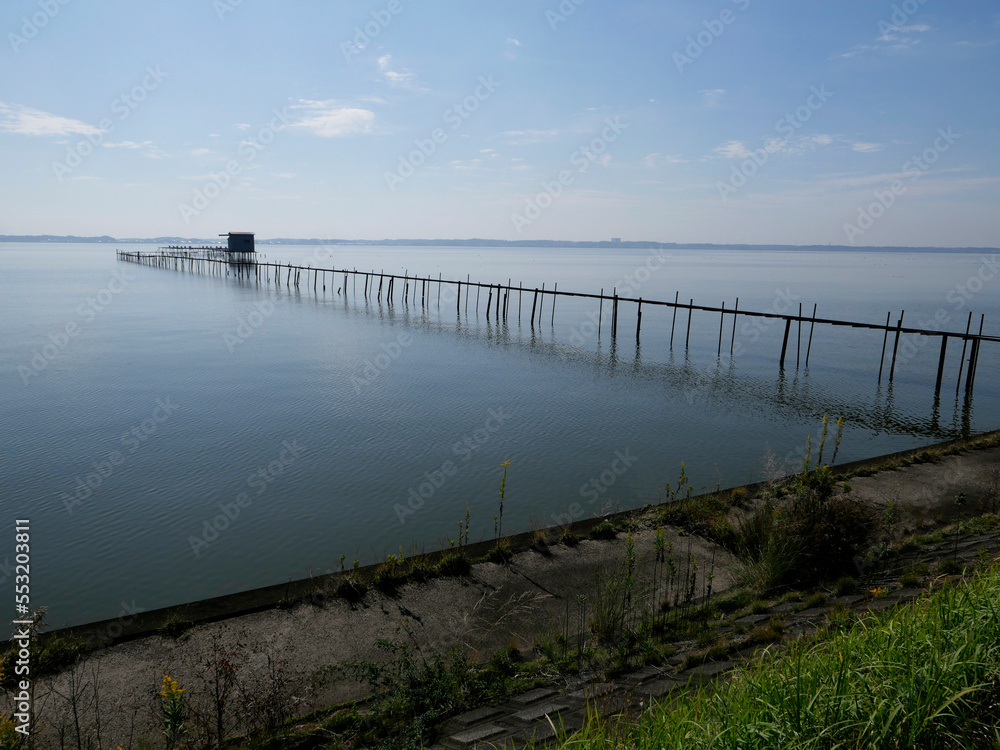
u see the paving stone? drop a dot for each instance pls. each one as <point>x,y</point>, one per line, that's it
<point>537,712</point>
<point>659,688</point>
<point>849,601</point>
<point>876,605</point>
<point>706,671</point>
<point>533,695</point>
<point>813,613</point>
<point>752,619</point>
<point>477,734</point>
<point>644,674</point>
<point>474,717</point>
<point>595,690</point>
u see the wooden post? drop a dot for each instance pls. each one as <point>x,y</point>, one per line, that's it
<point>687,340</point>
<point>519,292</point>
<point>554,295</point>
<point>811,327</point>
<point>439,290</point>
<point>940,371</point>
<point>506,299</point>
<point>489,300</point>
<point>961,361</point>
<point>885,339</point>
<point>534,302</point>
<point>722,319</point>
<point>798,342</point>
<point>458,299</point>
<point>380,287</point>
<point>974,357</point>
<point>732,342</point>
<point>676,297</point>
<point>895,346</point>
<point>784,344</point>
<point>467,277</point>
<point>972,366</point>
<point>600,313</point>
<point>614,315</point>
<point>498,303</point>
<point>638,321</point>
<point>541,304</point>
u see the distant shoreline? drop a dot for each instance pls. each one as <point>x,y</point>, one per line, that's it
<point>475,242</point>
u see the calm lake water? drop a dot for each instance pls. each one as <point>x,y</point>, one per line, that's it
<point>312,419</point>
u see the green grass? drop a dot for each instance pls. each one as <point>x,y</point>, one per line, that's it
<point>926,675</point>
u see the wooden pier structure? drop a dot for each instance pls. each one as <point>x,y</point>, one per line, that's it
<point>375,284</point>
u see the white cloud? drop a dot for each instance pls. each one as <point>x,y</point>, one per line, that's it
<point>200,151</point>
<point>394,76</point>
<point>732,150</point>
<point>527,137</point>
<point>16,118</point>
<point>242,126</point>
<point>512,40</point>
<point>328,119</point>
<point>149,150</point>
<point>866,148</point>
<point>657,160</point>
<point>712,97</point>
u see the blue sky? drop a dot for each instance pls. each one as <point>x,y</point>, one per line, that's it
<point>733,121</point>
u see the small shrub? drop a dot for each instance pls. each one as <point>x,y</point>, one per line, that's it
<point>570,539</point>
<point>352,589</point>
<point>603,531</point>
<point>845,586</point>
<point>455,564</point>
<point>500,554</point>
<point>735,602</point>
<point>175,628</point>
<point>949,567</point>
<point>816,600</point>
<point>909,581</point>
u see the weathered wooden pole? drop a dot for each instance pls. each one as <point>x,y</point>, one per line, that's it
<point>600,313</point>
<point>940,370</point>
<point>506,299</point>
<point>732,342</point>
<point>885,339</point>
<point>541,304</point>
<point>534,302</point>
<point>467,277</point>
<point>498,303</point>
<point>519,293</point>
<point>489,300</point>
<point>439,290</point>
<point>784,344</point>
<point>676,297</point>
<point>614,315</point>
<point>811,327</point>
<point>722,320</point>
<point>478,289</point>
<point>555,293</point>
<point>961,361</point>
<point>895,346</point>
<point>798,341</point>
<point>974,357</point>
<point>458,299</point>
<point>687,340</point>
